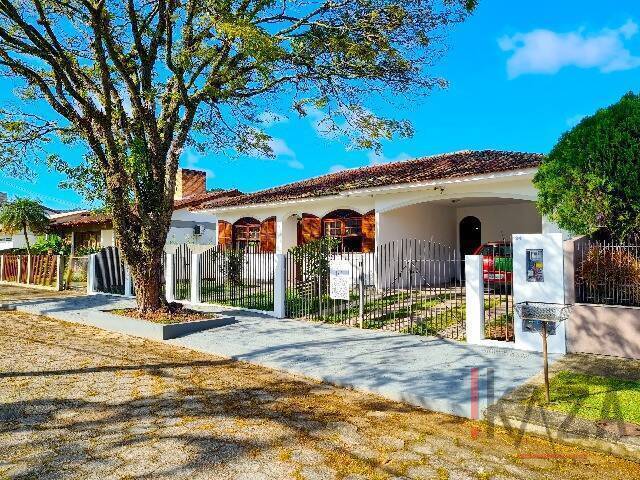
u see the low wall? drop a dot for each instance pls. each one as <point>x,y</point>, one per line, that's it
<point>604,330</point>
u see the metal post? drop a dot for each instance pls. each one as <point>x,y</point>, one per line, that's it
<point>546,361</point>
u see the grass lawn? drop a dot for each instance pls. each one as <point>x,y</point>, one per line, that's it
<point>594,397</point>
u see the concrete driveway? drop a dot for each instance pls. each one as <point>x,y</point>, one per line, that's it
<point>427,372</point>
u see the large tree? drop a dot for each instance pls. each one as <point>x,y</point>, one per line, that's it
<point>24,215</point>
<point>591,178</point>
<point>138,80</point>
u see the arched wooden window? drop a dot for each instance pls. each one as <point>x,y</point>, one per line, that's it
<point>346,226</point>
<point>246,233</point>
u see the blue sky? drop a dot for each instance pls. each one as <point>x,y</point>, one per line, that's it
<point>520,73</point>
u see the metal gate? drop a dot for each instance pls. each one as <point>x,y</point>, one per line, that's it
<point>410,286</point>
<point>238,277</point>
<point>182,273</point>
<point>497,271</point>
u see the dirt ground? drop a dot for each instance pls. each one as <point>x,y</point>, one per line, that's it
<point>11,293</point>
<point>78,402</point>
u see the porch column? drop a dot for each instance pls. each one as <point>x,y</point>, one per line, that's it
<point>286,233</point>
<point>474,292</point>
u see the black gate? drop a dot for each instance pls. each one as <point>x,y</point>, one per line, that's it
<point>238,277</point>
<point>109,271</point>
<point>182,273</point>
<point>497,271</point>
<point>409,286</point>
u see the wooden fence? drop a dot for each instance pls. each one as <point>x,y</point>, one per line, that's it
<point>34,270</point>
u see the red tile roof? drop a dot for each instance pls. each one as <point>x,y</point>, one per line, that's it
<point>102,219</point>
<point>450,165</point>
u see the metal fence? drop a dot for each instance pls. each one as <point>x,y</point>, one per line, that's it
<point>497,271</point>
<point>182,273</point>
<point>607,273</point>
<point>410,286</point>
<point>238,277</point>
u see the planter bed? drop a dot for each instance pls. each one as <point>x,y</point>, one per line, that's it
<point>126,321</point>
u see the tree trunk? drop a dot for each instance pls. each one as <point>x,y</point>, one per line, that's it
<point>147,278</point>
<point>26,238</point>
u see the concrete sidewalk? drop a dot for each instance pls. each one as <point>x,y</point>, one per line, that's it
<point>428,372</point>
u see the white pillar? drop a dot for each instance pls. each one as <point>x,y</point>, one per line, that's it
<point>279,285</point>
<point>19,269</point>
<point>59,273</point>
<point>474,292</point>
<point>91,274</point>
<point>169,280</point>
<point>1,268</point>
<point>195,278</point>
<point>286,233</point>
<point>128,291</point>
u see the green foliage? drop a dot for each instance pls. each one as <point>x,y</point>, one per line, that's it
<point>23,215</point>
<point>51,243</point>
<point>591,178</point>
<point>593,397</point>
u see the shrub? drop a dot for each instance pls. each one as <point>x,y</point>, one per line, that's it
<point>611,273</point>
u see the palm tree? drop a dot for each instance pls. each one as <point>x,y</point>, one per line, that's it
<point>22,215</point>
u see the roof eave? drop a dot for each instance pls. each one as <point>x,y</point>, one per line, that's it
<point>402,187</point>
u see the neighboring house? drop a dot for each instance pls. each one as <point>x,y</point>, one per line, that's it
<point>459,199</point>
<point>85,229</point>
<point>10,241</point>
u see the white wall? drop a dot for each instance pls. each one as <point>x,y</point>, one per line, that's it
<point>17,241</point>
<point>501,221</point>
<point>424,221</point>
<point>182,223</point>
<point>106,238</point>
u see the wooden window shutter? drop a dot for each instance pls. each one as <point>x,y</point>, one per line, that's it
<point>268,235</point>
<point>369,231</point>
<point>224,233</point>
<point>310,229</point>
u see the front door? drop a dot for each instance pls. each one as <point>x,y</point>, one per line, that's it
<point>470,236</point>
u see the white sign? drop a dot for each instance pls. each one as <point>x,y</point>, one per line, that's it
<point>339,279</point>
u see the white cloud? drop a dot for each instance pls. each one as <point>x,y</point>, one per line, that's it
<point>575,120</point>
<point>378,158</point>
<point>191,159</point>
<point>282,151</point>
<point>547,52</point>
<point>337,168</point>
<point>268,119</point>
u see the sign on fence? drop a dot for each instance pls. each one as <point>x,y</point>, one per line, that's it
<point>339,279</point>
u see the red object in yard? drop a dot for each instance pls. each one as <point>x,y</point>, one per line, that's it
<point>497,262</point>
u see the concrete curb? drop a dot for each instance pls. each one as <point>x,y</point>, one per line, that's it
<point>619,448</point>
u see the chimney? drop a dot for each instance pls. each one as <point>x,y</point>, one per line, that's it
<point>189,183</point>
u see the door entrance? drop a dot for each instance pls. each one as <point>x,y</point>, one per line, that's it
<point>470,235</point>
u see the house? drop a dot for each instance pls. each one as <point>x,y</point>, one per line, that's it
<point>90,230</point>
<point>459,199</point>
<point>10,241</point>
